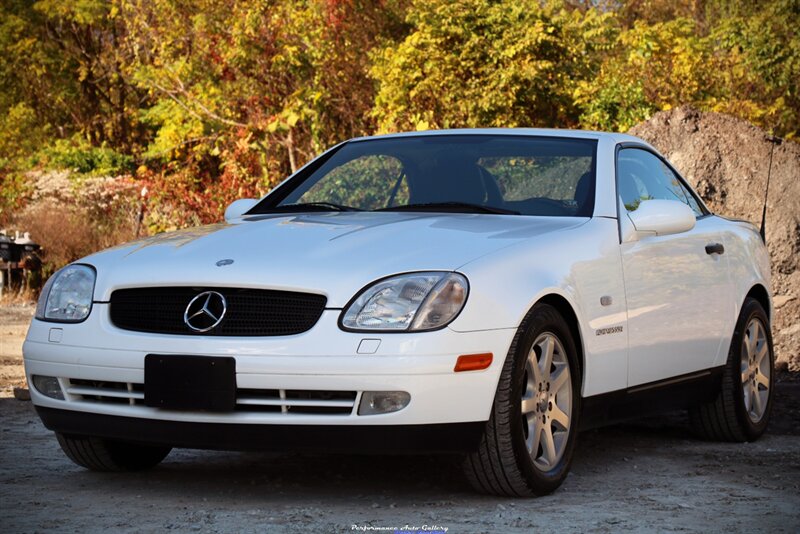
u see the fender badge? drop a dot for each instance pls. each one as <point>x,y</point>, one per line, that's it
<point>610,330</point>
<point>223,263</point>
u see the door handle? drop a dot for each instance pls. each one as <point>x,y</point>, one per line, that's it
<point>715,248</point>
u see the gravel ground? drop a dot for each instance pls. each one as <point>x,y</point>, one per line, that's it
<point>14,320</point>
<point>643,477</point>
<point>652,476</point>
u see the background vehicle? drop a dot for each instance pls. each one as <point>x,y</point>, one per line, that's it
<point>488,291</point>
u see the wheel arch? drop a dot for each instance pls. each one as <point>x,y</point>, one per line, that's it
<point>761,295</point>
<point>563,306</point>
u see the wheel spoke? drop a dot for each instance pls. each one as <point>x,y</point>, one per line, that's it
<point>546,359</point>
<point>560,440</point>
<point>532,443</point>
<point>762,353</point>
<point>560,417</point>
<point>534,374</point>
<point>748,397</point>
<point>757,406</point>
<point>528,406</point>
<point>762,379</point>
<point>762,401</point>
<point>559,378</point>
<point>753,340</point>
<point>548,445</point>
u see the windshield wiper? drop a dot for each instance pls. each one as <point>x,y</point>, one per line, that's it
<point>458,207</point>
<point>308,206</point>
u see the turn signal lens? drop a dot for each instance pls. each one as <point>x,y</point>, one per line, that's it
<point>473,362</point>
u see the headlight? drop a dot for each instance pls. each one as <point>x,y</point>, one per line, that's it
<point>67,296</point>
<point>408,302</point>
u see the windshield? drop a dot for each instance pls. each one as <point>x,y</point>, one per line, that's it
<point>504,174</point>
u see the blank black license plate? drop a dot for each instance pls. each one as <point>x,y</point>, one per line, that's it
<point>190,382</point>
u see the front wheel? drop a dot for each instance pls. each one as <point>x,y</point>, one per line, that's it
<point>527,446</point>
<point>99,454</point>
<point>741,410</point>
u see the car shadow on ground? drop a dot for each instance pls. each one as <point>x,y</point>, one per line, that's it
<point>253,476</point>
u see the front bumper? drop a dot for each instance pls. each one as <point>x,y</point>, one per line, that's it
<point>454,437</point>
<point>323,359</point>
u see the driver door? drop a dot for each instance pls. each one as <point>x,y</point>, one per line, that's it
<point>679,295</point>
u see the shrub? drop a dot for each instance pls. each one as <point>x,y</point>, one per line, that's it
<point>67,234</point>
<point>78,155</point>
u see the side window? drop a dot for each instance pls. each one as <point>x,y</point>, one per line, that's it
<point>643,176</point>
<point>369,182</point>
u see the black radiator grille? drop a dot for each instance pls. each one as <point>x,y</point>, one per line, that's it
<point>250,312</point>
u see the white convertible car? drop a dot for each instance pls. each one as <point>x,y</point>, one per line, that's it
<point>489,292</point>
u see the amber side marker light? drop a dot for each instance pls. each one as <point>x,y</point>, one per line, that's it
<point>473,362</point>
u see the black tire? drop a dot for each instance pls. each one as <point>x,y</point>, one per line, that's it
<point>726,418</point>
<point>98,454</point>
<point>502,464</point>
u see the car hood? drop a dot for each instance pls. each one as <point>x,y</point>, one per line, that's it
<point>332,253</point>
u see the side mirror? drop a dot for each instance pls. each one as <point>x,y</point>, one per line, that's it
<point>239,208</point>
<point>662,217</point>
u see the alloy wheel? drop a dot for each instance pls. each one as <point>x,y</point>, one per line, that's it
<point>756,370</point>
<point>546,401</point>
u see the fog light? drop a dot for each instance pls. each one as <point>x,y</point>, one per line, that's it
<point>375,402</point>
<point>48,386</point>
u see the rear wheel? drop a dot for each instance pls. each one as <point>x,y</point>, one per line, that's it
<point>527,446</point>
<point>742,409</point>
<point>100,454</point>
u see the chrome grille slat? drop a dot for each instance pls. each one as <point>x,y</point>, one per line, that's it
<point>103,392</point>
<point>297,402</point>
<point>287,402</point>
<point>294,402</point>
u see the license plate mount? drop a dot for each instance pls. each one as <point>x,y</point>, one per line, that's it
<point>204,383</point>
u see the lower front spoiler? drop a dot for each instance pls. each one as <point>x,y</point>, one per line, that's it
<point>435,438</point>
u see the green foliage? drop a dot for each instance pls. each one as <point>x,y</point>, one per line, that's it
<point>651,67</point>
<point>210,100</point>
<point>741,58</point>
<point>482,63</point>
<point>757,73</point>
<point>21,135</point>
<point>78,155</point>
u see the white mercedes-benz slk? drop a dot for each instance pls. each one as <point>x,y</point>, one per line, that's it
<point>489,292</point>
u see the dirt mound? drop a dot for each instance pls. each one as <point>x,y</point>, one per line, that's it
<point>726,160</point>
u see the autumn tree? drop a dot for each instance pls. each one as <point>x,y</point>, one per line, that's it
<point>487,63</point>
<point>205,101</point>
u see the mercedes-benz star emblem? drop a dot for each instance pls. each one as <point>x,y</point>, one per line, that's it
<point>205,311</point>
